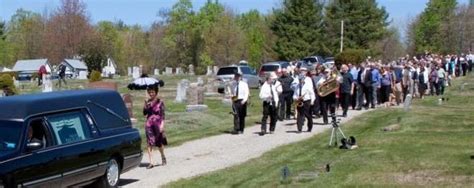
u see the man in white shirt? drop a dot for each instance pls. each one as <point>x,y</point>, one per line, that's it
<point>269,94</point>
<point>304,93</point>
<point>239,103</point>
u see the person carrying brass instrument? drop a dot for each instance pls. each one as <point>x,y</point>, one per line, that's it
<point>269,94</point>
<point>328,101</point>
<point>239,103</point>
<point>304,94</point>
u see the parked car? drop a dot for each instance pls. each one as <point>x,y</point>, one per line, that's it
<point>66,139</point>
<point>275,66</point>
<point>329,62</point>
<point>312,61</point>
<point>226,74</point>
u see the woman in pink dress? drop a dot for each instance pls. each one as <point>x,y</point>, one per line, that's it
<point>154,110</point>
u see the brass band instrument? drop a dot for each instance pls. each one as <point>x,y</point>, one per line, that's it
<point>299,101</point>
<point>330,85</point>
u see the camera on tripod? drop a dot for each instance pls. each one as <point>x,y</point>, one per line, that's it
<point>334,121</point>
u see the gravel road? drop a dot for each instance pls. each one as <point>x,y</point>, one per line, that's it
<point>218,152</point>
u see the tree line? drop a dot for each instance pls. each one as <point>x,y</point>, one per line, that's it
<point>212,35</point>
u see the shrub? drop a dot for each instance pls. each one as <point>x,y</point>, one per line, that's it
<point>6,80</point>
<point>95,76</point>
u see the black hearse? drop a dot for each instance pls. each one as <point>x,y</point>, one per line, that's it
<point>67,138</point>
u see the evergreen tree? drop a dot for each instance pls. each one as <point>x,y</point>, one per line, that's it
<point>299,28</point>
<point>364,23</point>
<point>429,33</point>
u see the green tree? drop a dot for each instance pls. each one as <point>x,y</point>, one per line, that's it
<point>299,28</point>
<point>364,23</point>
<point>93,53</point>
<point>428,32</point>
<point>113,42</point>
<point>6,55</point>
<point>256,40</point>
<point>25,34</point>
<point>179,32</point>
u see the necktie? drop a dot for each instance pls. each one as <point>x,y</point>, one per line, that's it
<point>237,91</point>
<point>301,87</point>
<point>271,91</point>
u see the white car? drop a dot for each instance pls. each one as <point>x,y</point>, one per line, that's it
<point>226,74</point>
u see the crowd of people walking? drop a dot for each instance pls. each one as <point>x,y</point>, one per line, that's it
<point>304,93</point>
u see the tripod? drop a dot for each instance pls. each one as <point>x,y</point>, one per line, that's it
<point>335,128</point>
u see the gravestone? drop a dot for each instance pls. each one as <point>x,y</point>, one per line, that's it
<point>200,81</point>
<point>47,83</point>
<point>195,98</point>
<point>181,91</point>
<point>82,75</point>
<point>407,102</point>
<point>179,71</point>
<point>156,72</point>
<point>129,71</point>
<point>191,69</point>
<point>127,99</point>
<point>211,88</point>
<point>215,69</point>
<point>209,71</point>
<point>135,72</point>
<point>168,71</point>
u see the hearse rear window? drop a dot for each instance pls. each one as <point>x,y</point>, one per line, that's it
<point>69,127</point>
<point>9,136</point>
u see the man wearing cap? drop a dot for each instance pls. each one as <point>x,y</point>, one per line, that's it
<point>305,93</point>
<point>239,105</point>
<point>328,101</point>
<point>287,95</point>
<point>269,94</point>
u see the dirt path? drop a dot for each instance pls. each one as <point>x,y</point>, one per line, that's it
<point>217,152</point>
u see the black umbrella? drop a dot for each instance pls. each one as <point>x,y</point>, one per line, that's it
<point>145,82</point>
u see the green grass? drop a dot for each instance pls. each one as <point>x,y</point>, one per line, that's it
<point>432,149</point>
<point>181,126</point>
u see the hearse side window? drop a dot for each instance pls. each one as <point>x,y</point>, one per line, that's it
<point>69,127</point>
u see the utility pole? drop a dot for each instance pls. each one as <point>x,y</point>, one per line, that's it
<point>342,35</point>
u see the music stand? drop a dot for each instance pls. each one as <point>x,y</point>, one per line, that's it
<point>335,128</point>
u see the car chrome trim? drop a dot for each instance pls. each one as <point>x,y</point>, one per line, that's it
<point>103,163</point>
<point>41,180</point>
<point>133,156</point>
<point>80,170</point>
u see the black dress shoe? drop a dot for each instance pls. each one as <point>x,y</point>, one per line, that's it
<point>358,109</point>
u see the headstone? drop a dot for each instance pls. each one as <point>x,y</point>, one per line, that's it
<point>195,94</point>
<point>178,71</point>
<point>181,91</point>
<point>156,72</point>
<point>47,83</point>
<point>127,99</point>
<point>200,81</point>
<point>215,69</point>
<point>82,75</point>
<point>103,85</point>
<point>209,71</point>
<point>407,102</point>
<point>191,69</point>
<point>168,71</point>
<point>135,72</point>
<point>211,89</point>
<point>129,71</point>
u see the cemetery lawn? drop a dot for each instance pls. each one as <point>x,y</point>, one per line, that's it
<point>433,148</point>
<point>181,126</point>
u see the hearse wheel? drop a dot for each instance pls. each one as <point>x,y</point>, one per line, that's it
<point>111,176</point>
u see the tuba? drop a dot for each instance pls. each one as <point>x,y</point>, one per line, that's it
<point>330,85</point>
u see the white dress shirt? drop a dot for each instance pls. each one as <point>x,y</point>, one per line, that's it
<point>266,92</point>
<point>307,92</point>
<point>243,91</point>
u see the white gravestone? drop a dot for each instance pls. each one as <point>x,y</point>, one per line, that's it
<point>47,84</point>
<point>181,91</point>
<point>169,71</point>
<point>156,72</point>
<point>191,69</point>
<point>216,68</point>
<point>129,71</point>
<point>136,72</point>
<point>200,81</point>
<point>209,71</point>
<point>178,71</point>
<point>82,75</point>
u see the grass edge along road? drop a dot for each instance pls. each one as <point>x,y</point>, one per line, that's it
<point>432,148</point>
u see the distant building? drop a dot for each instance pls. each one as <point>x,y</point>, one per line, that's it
<point>26,68</point>
<point>74,67</point>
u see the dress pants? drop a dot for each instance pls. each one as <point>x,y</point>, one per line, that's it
<point>240,111</point>
<point>345,102</point>
<point>269,110</point>
<point>304,112</point>
<point>328,101</point>
<point>285,105</point>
